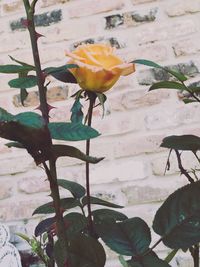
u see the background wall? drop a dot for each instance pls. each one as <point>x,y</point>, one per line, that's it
<point>165,31</point>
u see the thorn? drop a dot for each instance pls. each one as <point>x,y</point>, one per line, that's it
<point>38,35</point>
<point>48,106</point>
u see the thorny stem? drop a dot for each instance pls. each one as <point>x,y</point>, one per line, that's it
<point>51,171</point>
<point>182,170</point>
<point>92,98</point>
<point>195,249</point>
<point>195,254</point>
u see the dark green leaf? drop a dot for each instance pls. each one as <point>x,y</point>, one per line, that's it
<point>188,100</point>
<point>102,99</point>
<point>75,222</point>
<point>182,142</point>
<point>70,151</point>
<point>44,226</point>
<point>178,219</point>
<point>77,114</point>
<point>86,252</point>
<point>14,144</point>
<point>106,214</point>
<point>123,262</point>
<point>23,95</point>
<point>59,254</point>
<point>30,119</point>
<point>28,129</point>
<point>71,131</point>
<point>24,82</point>
<point>5,116</point>
<point>52,70</point>
<point>150,260</point>
<point>13,69</point>
<point>22,63</point>
<point>168,85</point>
<point>149,63</point>
<point>98,201</point>
<point>130,237</point>
<point>62,73</point>
<point>66,203</point>
<point>76,189</point>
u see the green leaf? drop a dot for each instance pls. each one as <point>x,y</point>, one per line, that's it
<point>28,129</point>
<point>31,67</point>
<point>152,260</point>
<point>59,254</point>
<point>24,237</point>
<point>65,67</point>
<point>171,255</point>
<point>66,203</point>
<point>13,68</point>
<point>182,142</point>
<point>188,100</point>
<point>149,63</point>
<point>76,223</point>
<point>178,219</point>
<point>70,151</point>
<point>23,95</point>
<point>98,201</point>
<point>71,131</point>
<point>86,252</point>
<point>106,214</point>
<point>62,73</point>
<point>102,99</point>
<point>44,226</point>
<point>130,237</point>
<point>23,82</point>
<point>123,262</point>
<point>168,85</point>
<point>30,119</point>
<point>77,114</point>
<point>14,144</point>
<point>76,189</point>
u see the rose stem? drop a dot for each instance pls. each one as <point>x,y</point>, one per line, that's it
<point>92,98</point>
<point>45,113</point>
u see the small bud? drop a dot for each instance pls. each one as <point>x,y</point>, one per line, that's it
<point>25,22</point>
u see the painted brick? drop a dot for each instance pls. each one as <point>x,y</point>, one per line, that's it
<point>57,93</point>
<point>14,166</point>
<point>180,8</point>
<point>116,171</point>
<point>5,189</point>
<point>130,18</point>
<point>90,7</point>
<point>113,41</point>
<point>44,19</point>
<point>11,6</point>
<point>136,2</point>
<point>185,47</point>
<point>140,99</point>
<point>30,185</point>
<point>147,77</point>
<point>159,163</point>
<point>165,31</point>
<point>47,3</point>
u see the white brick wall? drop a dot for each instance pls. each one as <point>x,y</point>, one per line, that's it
<point>136,121</point>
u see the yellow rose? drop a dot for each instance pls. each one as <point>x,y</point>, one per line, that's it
<point>99,68</point>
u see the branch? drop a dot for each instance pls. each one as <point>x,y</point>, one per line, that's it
<point>182,170</point>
